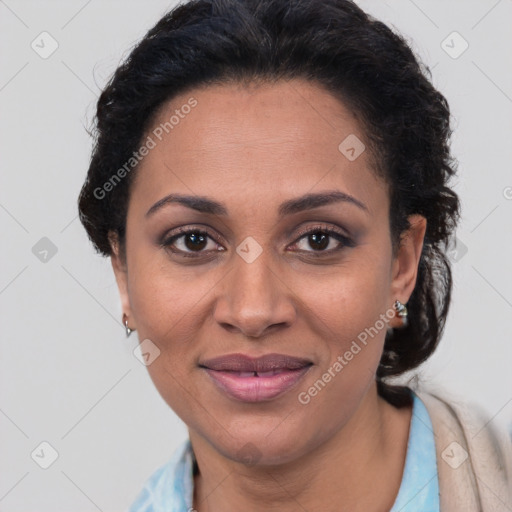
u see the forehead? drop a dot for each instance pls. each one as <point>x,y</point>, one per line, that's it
<point>269,140</point>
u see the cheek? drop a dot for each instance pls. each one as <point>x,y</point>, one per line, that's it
<point>352,312</point>
<point>166,298</point>
<point>350,301</point>
<point>167,311</point>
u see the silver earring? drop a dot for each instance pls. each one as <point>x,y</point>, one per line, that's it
<point>125,321</point>
<point>401,310</point>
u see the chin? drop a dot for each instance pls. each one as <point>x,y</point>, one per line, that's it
<point>262,447</point>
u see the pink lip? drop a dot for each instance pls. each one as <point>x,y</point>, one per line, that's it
<point>256,380</point>
<point>256,389</point>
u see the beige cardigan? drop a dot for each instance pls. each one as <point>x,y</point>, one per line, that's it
<point>480,481</point>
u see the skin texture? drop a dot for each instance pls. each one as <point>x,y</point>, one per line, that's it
<point>251,148</point>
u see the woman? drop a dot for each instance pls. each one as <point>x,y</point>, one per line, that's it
<point>271,182</point>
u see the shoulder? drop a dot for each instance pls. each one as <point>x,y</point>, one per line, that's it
<point>474,456</point>
<point>452,415</point>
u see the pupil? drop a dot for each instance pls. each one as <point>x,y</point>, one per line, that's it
<point>316,243</point>
<point>197,241</point>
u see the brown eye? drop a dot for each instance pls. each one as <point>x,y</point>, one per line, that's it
<point>323,241</point>
<point>190,241</point>
<point>195,241</point>
<point>318,240</point>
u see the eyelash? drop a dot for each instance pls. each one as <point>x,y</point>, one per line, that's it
<point>337,235</point>
<point>181,232</point>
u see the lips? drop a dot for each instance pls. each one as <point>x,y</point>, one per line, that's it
<point>260,379</point>
<point>267,364</point>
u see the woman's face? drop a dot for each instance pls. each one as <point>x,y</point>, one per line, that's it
<point>248,280</point>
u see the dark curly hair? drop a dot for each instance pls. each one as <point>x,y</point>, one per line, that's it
<point>332,43</point>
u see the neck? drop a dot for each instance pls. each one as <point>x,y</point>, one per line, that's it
<point>359,468</point>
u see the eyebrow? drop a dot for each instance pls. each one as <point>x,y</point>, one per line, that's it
<point>306,202</point>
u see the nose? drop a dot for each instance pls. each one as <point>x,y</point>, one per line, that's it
<point>253,299</point>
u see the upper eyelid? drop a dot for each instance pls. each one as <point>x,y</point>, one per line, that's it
<point>320,227</point>
<point>183,230</point>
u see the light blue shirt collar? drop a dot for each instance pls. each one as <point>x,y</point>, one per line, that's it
<point>419,489</point>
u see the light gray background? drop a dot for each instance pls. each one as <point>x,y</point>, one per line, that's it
<point>68,374</point>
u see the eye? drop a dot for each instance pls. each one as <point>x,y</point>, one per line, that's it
<point>187,241</point>
<point>322,240</point>
<point>194,242</point>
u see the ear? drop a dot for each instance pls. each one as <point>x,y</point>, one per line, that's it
<point>406,261</point>
<point>120,272</point>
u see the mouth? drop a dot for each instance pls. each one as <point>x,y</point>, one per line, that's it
<point>256,379</point>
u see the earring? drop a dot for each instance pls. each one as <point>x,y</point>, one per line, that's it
<point>401,312</point>
<point>125,321</point>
